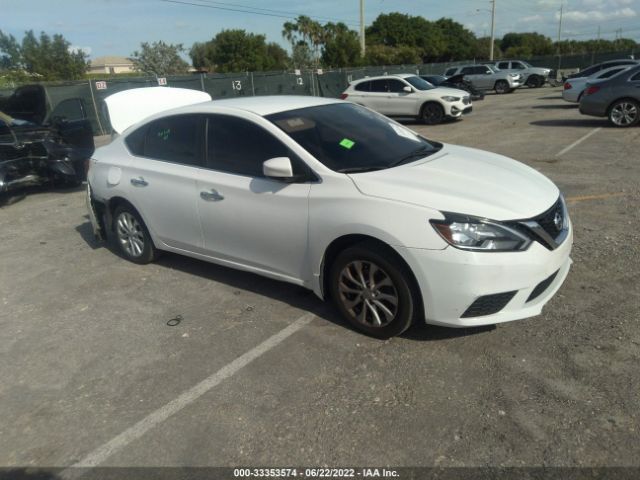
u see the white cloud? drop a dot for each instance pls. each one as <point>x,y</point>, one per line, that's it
<point>596,15</point>
<point>530,18</point>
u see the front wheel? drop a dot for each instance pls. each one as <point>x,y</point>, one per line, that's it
<point>372,291</point>
<point>432,113</point>
<point>502,86</point>
<point>624,113</point>
<point>132,236</point>
<point>534,81</point>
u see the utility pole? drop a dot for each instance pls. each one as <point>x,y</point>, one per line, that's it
<point>362,44</point>
<point>560,23</point>
<point>493,30</point>
<point>560,34</point>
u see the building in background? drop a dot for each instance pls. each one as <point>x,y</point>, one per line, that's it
<point>111,64</point>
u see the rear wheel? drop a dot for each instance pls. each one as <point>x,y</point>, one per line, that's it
<point>502,86</point>
<point>372,291</point>
<point>132,236</point>
<point>624,113</point>
<point>432,113</point>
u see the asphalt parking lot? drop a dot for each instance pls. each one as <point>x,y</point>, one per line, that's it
<point>259,372</point>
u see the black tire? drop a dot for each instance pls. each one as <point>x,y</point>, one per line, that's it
<point>501,87</point>
<point>535,81</point>
<point>432,113</point>
<point>131,236</point>
<point>624,113</point>
<point>391,279</point>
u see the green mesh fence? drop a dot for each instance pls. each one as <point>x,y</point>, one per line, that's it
<point>324,83</point>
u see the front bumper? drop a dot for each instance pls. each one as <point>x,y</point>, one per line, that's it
<point>457,109</point>
<point>451,280</point>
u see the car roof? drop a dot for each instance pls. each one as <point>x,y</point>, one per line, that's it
<point>382,77</point>
<point>260,105</point>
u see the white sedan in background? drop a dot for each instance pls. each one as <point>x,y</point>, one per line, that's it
<point>408,95</point>
<point>575,87</point>
<point>336,198</point>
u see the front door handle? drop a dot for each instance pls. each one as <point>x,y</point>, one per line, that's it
<point>211,195</point>
<point>139,182</point>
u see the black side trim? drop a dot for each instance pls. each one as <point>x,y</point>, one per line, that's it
<point>489,304</point>
<point>542,286</point>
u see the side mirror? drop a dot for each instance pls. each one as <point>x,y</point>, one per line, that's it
<point>407,89</point>
<point>278,168</point>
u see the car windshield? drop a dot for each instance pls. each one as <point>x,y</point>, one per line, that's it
<point>348,138</point>
<point>493,68</point>
<point>419,83</point>
<point>528,65</point>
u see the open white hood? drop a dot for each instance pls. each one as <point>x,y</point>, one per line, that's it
<point>130,106</point>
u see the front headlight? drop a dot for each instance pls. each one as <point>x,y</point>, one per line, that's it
<point>472,233</point>
<point>451,99</point>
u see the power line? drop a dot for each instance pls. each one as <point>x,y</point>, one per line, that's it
<point>286,12</point>
<point>291,16</point>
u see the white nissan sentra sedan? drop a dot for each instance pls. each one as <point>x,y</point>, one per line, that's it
<point>334,197</point>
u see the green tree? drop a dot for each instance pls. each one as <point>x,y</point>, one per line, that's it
<point>49,58</point>
<point>526,44</point>
<point>305,31</point>
<point>386,55</point>
<point>159,58</point>
<point>236,51</point>
<point>459,43</point>
<point>341,46</point>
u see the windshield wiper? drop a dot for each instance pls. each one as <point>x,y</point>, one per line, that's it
<point>419,153</point>
<point>370,168</point>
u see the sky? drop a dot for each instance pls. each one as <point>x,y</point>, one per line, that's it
<point>117,27</point>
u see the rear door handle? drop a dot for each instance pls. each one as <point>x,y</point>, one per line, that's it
<point>139,182</point>
<point>211,195</point>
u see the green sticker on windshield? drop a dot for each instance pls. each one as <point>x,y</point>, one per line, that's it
<point>346,143</point>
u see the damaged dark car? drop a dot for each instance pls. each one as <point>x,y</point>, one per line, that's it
<point>39,146</point>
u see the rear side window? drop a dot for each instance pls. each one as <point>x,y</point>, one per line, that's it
<point>363,87</point>
<point>174,139</point>
<point>236,145</point>
<point>379,86</point>
<point>610,73</point>
<point>503,65</point>
<point>135,141</point>
<point>467,70</point>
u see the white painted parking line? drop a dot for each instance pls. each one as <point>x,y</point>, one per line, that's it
<point>100,454</point>
<point>578,142</point>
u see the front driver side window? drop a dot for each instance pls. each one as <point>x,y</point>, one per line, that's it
<point>396,86</point>
<point>239,146</point>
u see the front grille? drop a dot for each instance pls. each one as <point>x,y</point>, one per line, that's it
<point>541,287</point>
<point>489,304</point>
<point>547,219</point>
<point>31,150</point>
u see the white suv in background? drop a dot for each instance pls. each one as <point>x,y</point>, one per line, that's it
<point>407,95</point>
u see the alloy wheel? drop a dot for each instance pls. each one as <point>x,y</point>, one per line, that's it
<point>368,294</point>
<point>130,234</point>
<point>624,114</point>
